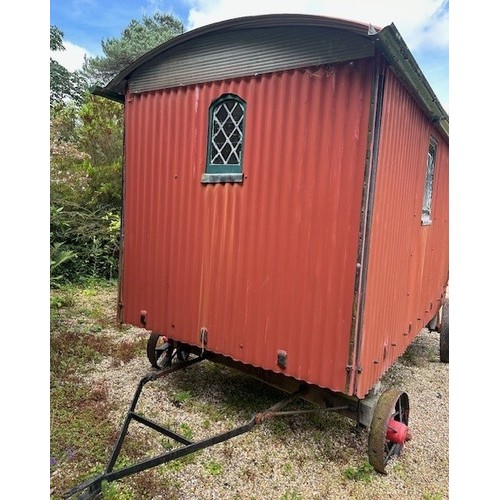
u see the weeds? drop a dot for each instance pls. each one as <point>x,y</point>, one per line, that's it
<point>181,397</point>
<point>110,491</point>
<point>81,428</point>
<point>292,495</point>
<point>213,468</point>
<point>433,496</point>
<point>365,472</point>
<point>186,431</point>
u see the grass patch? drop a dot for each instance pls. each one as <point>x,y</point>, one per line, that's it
<point>178,464</point>
<point>75,409</point>
<point>72,352</point>
<point>181,397</point>
<point>365,472</point>
<point>112,491</point>
<point>82,432</point>
<point>126,350</point>
<point>433,496</point>
<point>292,495</point>
<point>213,468</point>
<point>186,431</point>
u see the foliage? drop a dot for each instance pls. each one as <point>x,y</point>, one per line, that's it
<point>78,404</point>
<point>110,492</point>
<point>92,234</point>
<point>182,397</point>
<point>64,85</point>
<point>56,38</point>
<point>365,472</point>
<point>136,39</point>
<point>64,119</point>
<point>100,132</point>
<point>213,468</point>
<point>86,143</point>
<point>291,495</point>
<point>186,431</point>
<point>433,496</point>
<point>58,256</point>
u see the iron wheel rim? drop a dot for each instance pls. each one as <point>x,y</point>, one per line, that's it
<point>393,404</point>
<point>159,351</point>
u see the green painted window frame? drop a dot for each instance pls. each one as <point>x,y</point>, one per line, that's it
<point>224,172</point>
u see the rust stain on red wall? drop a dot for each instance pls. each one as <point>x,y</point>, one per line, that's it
<point>408,262</point>
<point>265,265</point>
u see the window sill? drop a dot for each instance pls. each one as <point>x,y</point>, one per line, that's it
<point>221,178</point>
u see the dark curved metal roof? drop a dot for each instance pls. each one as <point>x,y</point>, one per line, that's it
<point>388,40</point>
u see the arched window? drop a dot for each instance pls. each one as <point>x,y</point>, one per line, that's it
<point>225,139</point>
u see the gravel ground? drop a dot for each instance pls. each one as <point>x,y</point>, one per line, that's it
<point>314,456</point>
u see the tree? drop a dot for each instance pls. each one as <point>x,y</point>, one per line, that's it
<point>64,85</point>
<point>100,132</point>
<point>86,153</point>
<point>136,39</point>
<point>100,136</point>
<point>85,189</point>
<point>56,39</point>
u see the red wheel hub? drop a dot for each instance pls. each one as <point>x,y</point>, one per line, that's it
<point>397,432</point>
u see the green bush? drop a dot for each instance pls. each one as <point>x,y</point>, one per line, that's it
<point>58,256</point>
<point>91,242</point>
<point>85,190</point>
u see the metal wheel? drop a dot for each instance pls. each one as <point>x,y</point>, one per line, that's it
<point>182,353</point>
<point>389,428</point>
<point>162,351</point>
<point>444,333</point>
<point>159,351</point>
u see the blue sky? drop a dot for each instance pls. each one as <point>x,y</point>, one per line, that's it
<point>422,23</point>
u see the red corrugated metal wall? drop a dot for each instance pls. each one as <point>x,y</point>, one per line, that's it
<point>266,265</point>
<point>408,262</point>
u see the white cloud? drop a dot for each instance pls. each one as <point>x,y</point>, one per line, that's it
<point>417,21</point>
<point>72,57</point>
<point>423,24</point>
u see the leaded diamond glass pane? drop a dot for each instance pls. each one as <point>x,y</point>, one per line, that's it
<point>227,133</point>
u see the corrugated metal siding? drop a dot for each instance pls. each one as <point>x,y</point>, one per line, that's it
<point>220,56</point>
<point>408,262</point>
<point>265,265</point>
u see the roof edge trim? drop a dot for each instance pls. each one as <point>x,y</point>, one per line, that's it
<point>393,47</point>
<point>109,94</point>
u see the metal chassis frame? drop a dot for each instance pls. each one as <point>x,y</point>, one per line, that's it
<point>92,487</point>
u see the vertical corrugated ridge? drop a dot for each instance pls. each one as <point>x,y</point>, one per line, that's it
<point>403,277</point>
<point>267,264</point>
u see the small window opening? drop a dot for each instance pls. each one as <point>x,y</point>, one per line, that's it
<point>429,184</point>
<point>225,140</point>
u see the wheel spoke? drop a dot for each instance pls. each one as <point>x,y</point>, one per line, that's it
<point>399,412</point>
<point>393,450</point>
